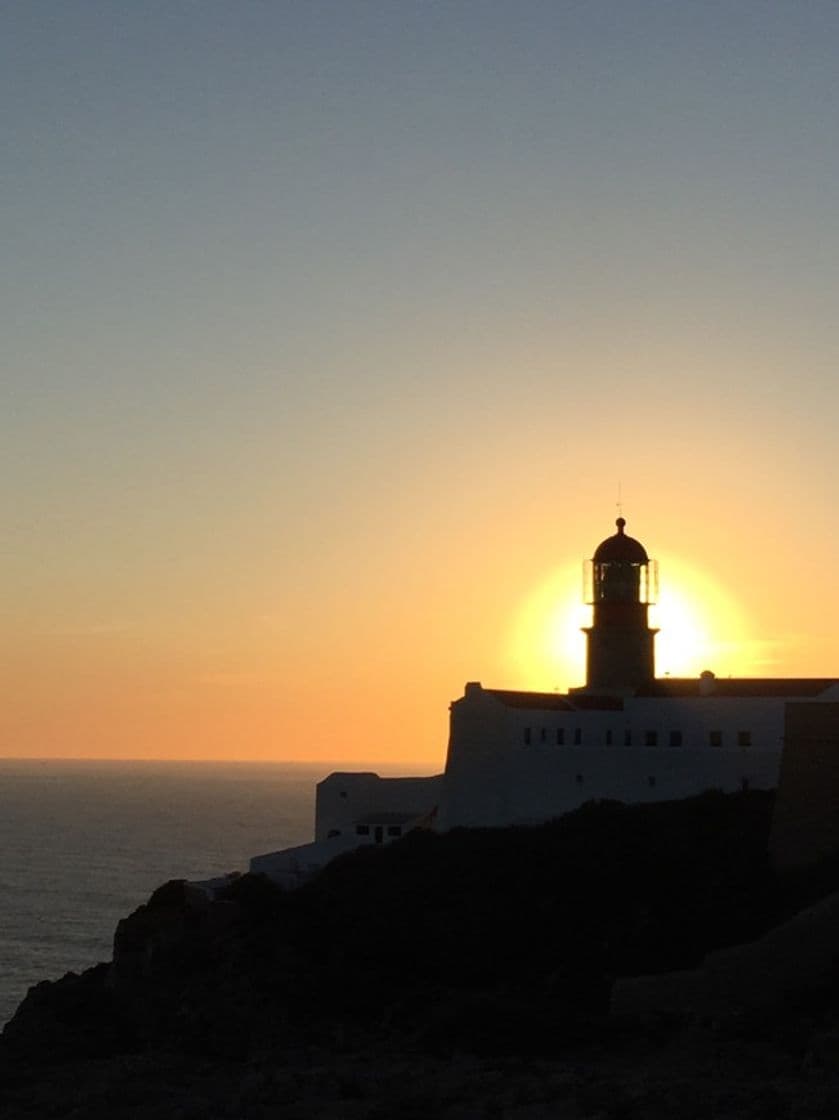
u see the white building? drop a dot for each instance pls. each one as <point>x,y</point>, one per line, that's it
<point>526,757</point>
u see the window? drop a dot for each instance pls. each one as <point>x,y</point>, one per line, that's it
<point>744,738</point>
<point>744,784</point>
<point>362,830</point>
<point>578,736</point>
<point>560,736</point>
<point>579,779</point>
<point>394,830</point>
<point>609,737</point>
<point>650,738</point>
<point>675,738</point>
<point>343,795</point>
<point>543,735</point>
<point>651,781</point>
<point>333,832</point>
<point>715,738</point>
<point>527,736</point>
<point>627,738</point>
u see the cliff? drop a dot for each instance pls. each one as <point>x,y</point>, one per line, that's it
<point>488,948</point>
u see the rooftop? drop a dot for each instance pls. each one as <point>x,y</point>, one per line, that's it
<point>666,688</point>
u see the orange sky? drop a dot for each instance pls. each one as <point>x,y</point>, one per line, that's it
<point>329,342</point>
<point>358,658</point>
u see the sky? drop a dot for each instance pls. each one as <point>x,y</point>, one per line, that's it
<point>336,335</point>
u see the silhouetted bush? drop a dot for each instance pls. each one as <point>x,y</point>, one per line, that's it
<point>258,897</point>
<point>171,893</point>
<point>494,940</point>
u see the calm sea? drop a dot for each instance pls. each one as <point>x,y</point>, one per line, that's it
<point>84,843</point>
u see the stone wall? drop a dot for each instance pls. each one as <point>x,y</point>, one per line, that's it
<point>805,826</point>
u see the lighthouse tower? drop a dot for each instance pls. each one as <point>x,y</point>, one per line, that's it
<point>620,586</point>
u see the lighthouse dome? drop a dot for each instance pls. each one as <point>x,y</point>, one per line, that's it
<point>620,549</point>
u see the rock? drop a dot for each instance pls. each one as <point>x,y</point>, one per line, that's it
<point>72,1017</point>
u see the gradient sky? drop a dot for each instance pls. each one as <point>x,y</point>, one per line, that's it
<point>330,331</point>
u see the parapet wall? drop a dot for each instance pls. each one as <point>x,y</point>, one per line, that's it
<point>805,824</point>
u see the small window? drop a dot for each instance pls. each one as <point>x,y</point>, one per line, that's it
<point>715,738</point>
<point>675,738</point>
<point>543,735</point>
<point>651,781</point>
<point>527,734</point>
<point>362,830</point>
<point>394,830</point>
<point>650,738</point>
<point>744,738</point>
<point>578,736</point>
<point>333,832</point>
<point>343,795</point>
<point>560,736</point>
<point>744,784</point>
<point>579,779</point>
<point>609,738</point>
<point>627,738</point>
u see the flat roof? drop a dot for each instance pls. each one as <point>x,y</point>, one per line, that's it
<point>736,686</point>
<point>553,701</point>
<point>668,688</point>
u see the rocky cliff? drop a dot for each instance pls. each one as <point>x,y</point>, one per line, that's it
<point>491,948</point>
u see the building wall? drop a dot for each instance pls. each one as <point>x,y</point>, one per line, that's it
<point>342,798</point>
<point>511,764</point>
<point>505,764</point>
<point>695,718</point>
<point>805,823</point>
<point>477,762</point>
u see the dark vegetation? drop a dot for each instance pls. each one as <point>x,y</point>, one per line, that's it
<point>485,940</point>
<point>499,943</point>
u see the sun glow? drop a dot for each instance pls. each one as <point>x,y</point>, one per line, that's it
<point>700,627</point>
<point>547,648</point>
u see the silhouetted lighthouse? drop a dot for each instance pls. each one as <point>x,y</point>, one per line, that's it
<point>620,585</point>
<point>517,757</point>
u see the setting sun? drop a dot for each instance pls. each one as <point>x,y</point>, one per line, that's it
<point>700,627</point>
<point>547,645</point>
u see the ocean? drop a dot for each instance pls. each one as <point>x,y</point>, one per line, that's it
<point>82,844</point>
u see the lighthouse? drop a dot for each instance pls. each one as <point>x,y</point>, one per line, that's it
<point>516,757</point>
<point>620,585</point>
